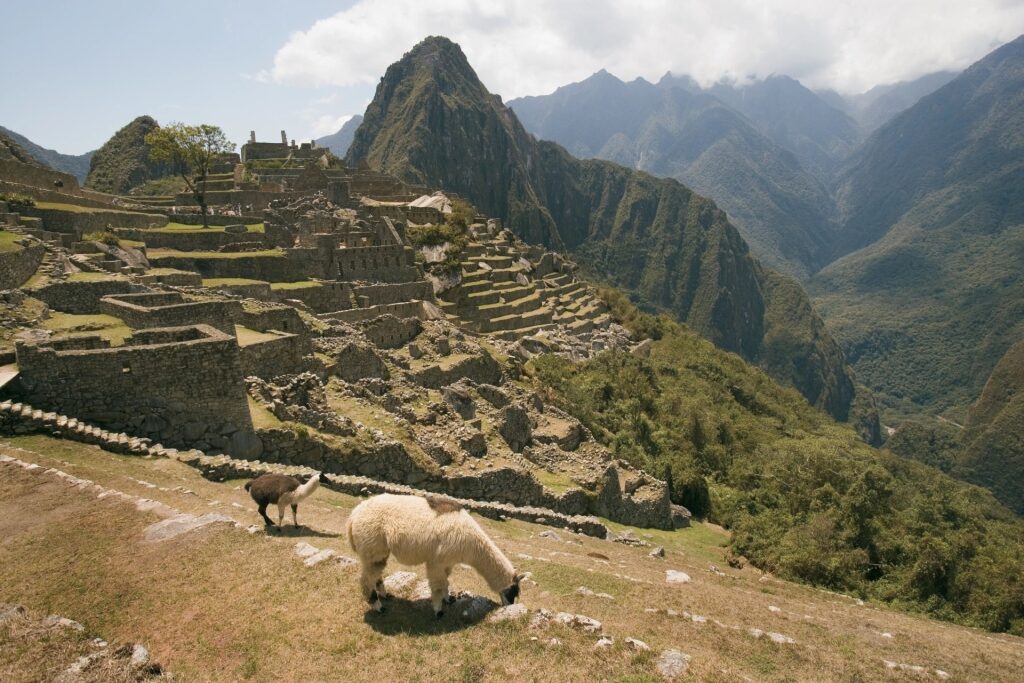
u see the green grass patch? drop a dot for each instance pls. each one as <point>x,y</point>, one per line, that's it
<point>305,284</point>
<point>230,281</point>
<point>84,276</point>
<point>107,326</point>
<point>156,254</point>
<point>8,239</point>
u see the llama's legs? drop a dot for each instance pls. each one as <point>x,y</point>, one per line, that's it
<point>437,577</point>
<point>295,514</point>
<point>263,514</point>
<point>371,580</point>
<point>280,513</point>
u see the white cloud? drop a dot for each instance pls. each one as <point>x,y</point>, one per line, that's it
<point>326,124</point>
<point>522,47</point>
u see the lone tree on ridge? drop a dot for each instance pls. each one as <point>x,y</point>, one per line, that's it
<point>192,150</point>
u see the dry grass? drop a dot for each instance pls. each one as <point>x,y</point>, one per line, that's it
<point>220,604</point>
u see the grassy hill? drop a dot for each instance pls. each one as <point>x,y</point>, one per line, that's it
<point>432,121</point>
<point>221,604</point>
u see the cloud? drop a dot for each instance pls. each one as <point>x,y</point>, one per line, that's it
<point>522,47</point>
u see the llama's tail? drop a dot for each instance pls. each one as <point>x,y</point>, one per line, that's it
<point>248,485</point>
<point>348,532</point>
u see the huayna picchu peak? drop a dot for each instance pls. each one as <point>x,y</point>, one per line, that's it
<point>433,121</point>
<point>715,375</point>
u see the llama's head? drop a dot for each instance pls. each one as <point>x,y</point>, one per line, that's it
<point>322,478</point>
<point>509,595</point>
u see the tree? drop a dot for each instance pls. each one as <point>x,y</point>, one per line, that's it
<point>192,150</point>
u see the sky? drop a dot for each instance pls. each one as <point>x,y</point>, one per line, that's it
<point>74,72</point>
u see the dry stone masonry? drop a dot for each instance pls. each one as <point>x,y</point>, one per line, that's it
<point>307,328</point>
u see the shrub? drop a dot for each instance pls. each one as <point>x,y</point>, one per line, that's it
<point>15,199</point>
<point>105,236</point>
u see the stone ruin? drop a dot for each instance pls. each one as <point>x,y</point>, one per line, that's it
<point>321,336</point>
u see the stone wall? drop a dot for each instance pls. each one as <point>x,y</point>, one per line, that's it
<point>198,240</point>
<point>82,197</point>
<point>82,297</point>
<point>282,355</point>
<point>26,174</point>
<point>387,263</point>
<point>264,318</point>
<point>325,297</point>
<point>180,386</point>
<point>78,223</point>
<point>391,293</point>
<point>389,332</point>
<point>406,309</point>
<point>17,266</point>
<point>281,267</point>
<point>170,309</point>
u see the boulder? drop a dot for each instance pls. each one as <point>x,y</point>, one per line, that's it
<point>515,427</point>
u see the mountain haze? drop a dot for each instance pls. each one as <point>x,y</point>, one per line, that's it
<point>339,142</point>
<point>76,165</point>
<point>432,121</point>
<point>796,119</point>
<point>930,292</point>
<point>879,105</point>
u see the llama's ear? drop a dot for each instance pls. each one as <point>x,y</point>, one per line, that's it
<point>518,577</point>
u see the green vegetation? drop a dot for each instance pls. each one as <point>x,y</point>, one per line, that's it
<point>107,326</point>
<point>453,234</point>
<point>16,200</point>
<point>228,281</point>
<point>803,496</point>
<point>931,293</point>
<point>105,236</point>
<point>191,151</point>
<point>123,161</point>
<point>304,284</point>
<point>159,187</point>
<point>8,240</point>
<point>156,254</point>
<point>184,227</point>
<point>86,276</point>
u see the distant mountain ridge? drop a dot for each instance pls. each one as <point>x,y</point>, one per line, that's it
<point>432,121</point>
<point>674,129</point>
<point>76,165</point>
<point>339,142</point>
<point>929,292</point>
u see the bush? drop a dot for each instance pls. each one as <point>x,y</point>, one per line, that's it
<point>14,199</point>
<point>105,236</point>
<point>803,496</point>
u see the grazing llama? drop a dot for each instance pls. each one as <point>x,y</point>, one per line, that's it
<point>433,531</point>
<point>283,491</point>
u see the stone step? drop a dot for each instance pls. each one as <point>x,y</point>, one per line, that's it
<point>515,321</point>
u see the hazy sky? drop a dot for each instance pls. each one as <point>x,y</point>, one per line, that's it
<point>73,72</point>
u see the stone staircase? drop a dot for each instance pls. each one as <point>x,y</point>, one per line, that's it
<point>499,295</point>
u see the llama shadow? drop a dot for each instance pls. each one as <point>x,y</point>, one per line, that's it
<point>403,616</point>
<point>300,531</point>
